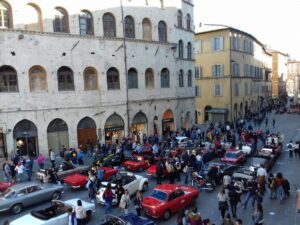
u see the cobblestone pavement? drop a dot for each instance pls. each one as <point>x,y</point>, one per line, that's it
<point>274,213</point>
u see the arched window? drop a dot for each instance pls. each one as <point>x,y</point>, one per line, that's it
<point>162,31</point>
<point>180,78</point>
<point>188,22</point>
<point>132,78</point>
<point>113,80</point>
<point>165,78</point>
<point>8,79</point>
<point>149,78</point>
<point>34,17</point>
<point>180,49</point>
<point>190,83</point>
<point>61,21</point>
<point>37,79</point>
<point>189,50</point>
<point>90,77</point>
<point>179,18</point>
<point>147,30</point>
<point>109,25</point>
<point>65,79</point>
<point>129,27</point>
<point>86,23</point>
<point>5,15</point>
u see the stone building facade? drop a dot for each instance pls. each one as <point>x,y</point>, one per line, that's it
<point>72,72</point>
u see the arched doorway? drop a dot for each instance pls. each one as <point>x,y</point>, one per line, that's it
<point>25,137</point>
<point>87,132</point>
<point>155,125</point>
<point>235,111</point>
<point>114,129</point>
<point>167,122</point>
<point>58,135</point>
<point>139,126</point>
<point>187,121</point>
<point>206,109</point>
<point>241,110</point>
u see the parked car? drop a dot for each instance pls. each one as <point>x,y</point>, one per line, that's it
<point>78,180</point>
<point>126,219</point>
<point>22,195</point>
<point>151,171</point>
<point>136,163</point>
<point>55,214</point>
<point>166,199</point>
<point>64,170</point>
<point>243,175</point>
<point>113,160</point>
<point>263,160</point>
<point>129,181</point>
<point>235,157</point>
<point>145,150</point>
<point>4,186</point>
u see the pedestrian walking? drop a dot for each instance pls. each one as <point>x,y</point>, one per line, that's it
<point>234,199</point>
<point>80,213</point>
<point>28,168</point>
<point>258,216</point>
<point>238,221</point>
<point>20,172</point>
<point>159,171</point>
<point>108,197</point>
<point>290,148</point>
<point>297,149</point>
<point>119,192</point>
<point>272,186</point>
<point>124,202</point>
<point>223,204</point>
<point>273,122</point>
<point>252,186</point>
<point>40,161</point>
<point>7,171</point>
<point>138,203</point>
<point>280,189</point>
<point>52,158</point>
<point>92,186</point>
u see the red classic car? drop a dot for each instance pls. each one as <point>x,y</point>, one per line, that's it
<point>79,180</point>
<point>151,171</point>
<point>235,157</point>
<point>166,199</point>
<point>4,186</point>
<point>136,163</point>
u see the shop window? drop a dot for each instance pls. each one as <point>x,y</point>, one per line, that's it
<point>109,25</point>
<point>8,79</point>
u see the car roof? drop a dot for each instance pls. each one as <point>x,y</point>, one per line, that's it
<point>167,188</point>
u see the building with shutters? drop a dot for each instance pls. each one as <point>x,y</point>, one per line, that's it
<point>233,75</point>
<point>75,71</point>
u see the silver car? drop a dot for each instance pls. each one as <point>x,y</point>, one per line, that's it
<point>15,198</point>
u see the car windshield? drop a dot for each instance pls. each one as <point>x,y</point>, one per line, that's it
<point>231,155</point>
<point>8,193</point>
<point>159,195</point>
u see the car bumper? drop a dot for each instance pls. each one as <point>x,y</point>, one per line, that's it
<point>151,214</point>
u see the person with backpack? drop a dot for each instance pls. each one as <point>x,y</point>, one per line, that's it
<point>71,218</point>
<point>108,197</point>
<point>290,148</point>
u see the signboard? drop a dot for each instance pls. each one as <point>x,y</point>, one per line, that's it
<point>170,120</point>
<point>113,129</point>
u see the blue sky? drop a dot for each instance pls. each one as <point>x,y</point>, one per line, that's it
<point>273,22</point>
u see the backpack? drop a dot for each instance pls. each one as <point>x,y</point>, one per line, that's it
<point>290,146</point>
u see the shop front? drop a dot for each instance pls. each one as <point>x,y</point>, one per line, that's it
<point>3,151</point>
<point>167,122</point>
<point>26,139</point>
<point>114,129</point>
<point>139,127</point>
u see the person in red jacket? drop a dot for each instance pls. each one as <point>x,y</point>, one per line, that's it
<point>194,217</point>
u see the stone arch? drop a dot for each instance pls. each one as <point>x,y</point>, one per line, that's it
<point>38,26</point>
<point>87,133</point>
<point>139,126</point>
<point>6,9</point>
<point>168,122</point>
<point>58,135</point>
<point>114,129</point>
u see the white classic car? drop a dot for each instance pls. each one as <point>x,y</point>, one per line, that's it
<point>55,214</point>
<point>129,181</point>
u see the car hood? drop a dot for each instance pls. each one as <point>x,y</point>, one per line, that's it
<point>132,163</point>
<point>151,169</point>
<point>75,177</point>
<point>152,202</point>
<point>28,219</point>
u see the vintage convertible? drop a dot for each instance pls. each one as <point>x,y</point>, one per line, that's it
<point>55,214</point>
<point>166,199</point>
<point>136,163</point>
<point>15,198</point>
<point>78,180</point>
<point>64,170</point>
<point>129,181</point>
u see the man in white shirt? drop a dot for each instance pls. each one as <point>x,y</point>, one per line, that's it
<point>261,176</point>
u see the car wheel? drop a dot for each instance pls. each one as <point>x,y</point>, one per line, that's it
<point>167,215</point>
<point>145,187</point>
<point>16,209</point>
<point>55,196</point>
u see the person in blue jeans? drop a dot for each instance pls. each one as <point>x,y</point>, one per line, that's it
<point>108,197</point>
<point>252,187</point>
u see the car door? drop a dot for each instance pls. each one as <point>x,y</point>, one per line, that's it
<point>177,200</point>
<point>130,184</point>
<point>36,194</point>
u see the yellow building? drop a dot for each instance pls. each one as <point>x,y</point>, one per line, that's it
<point>233,75</point>
<point>279,76</point>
